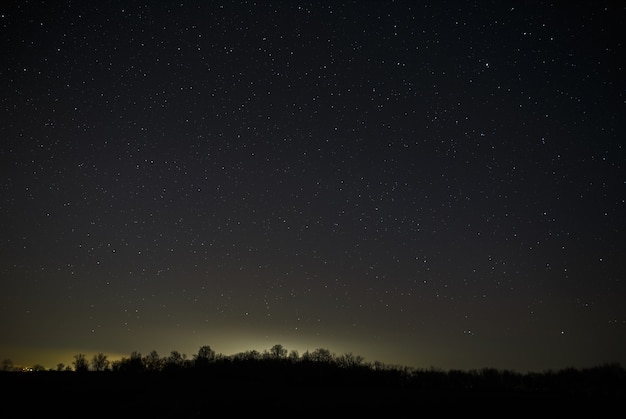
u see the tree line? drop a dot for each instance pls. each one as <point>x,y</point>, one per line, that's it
<point>280,366</point>
<point>178,361</point>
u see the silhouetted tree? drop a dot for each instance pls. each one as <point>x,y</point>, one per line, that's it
<point>294,356</point>
<point>132,364</point>
<point>135,362</point>
<point>152,361</point>
<point>117,365</point>
<point>378,366</point>
<point>80,363</point>
<point>175,360</point>
<point>348,360</point>
<point>60,366</point>
<point>278,351</point>
<point>100,362</point>
<point>322,355</point>
<point>251,355</point>
<point>204,357</point>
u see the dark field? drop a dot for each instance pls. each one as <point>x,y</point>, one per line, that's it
<point>312,391</point>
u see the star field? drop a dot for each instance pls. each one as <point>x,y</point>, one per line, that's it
<point>420,183</point>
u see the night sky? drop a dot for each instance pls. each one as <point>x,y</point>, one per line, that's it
<point>427,184</point>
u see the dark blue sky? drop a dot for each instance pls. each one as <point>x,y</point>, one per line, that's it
<point>420,183</point>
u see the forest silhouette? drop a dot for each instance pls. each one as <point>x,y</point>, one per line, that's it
<point>310,384</point>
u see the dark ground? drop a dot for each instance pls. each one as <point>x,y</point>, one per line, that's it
<point>110,394</point>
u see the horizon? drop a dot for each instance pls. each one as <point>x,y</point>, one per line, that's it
<point>117,357</point>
